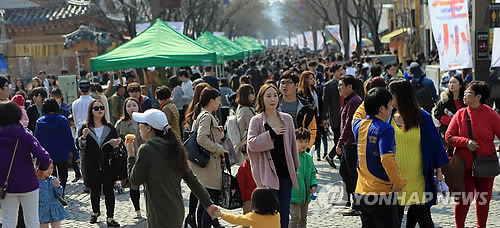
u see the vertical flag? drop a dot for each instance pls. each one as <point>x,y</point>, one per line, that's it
<point>309,39</point>
<point>300,41</point>
<point>352,39</point>
<point>320,42</point>
<point>335,31</point>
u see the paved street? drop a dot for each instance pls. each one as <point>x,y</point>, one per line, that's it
<point>321,212</point>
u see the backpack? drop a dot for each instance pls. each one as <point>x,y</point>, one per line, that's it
<point>423,94</point>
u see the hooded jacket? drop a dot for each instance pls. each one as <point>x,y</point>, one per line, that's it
<point>54,134</point>
<point>155,167</point>
<point>22,176</point>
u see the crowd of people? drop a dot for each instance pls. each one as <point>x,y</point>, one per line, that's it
<point>281,107</point>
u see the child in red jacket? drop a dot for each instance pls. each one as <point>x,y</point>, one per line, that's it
<point>246,183</point>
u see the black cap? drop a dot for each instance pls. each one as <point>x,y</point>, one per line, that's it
<point>415,70</point>
<point>84,85</point>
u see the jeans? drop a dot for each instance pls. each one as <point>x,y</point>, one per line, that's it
<point>61,172</point>
<point>206,220</point>
<point>299,215</point>
<point>284,195</point>
<point>106,181</point>
<point>10,207</point>
<point>378,213</point>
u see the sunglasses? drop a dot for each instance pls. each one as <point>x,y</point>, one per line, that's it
<point>97,108</point>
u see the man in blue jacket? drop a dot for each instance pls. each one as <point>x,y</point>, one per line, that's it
<point>54,134</point>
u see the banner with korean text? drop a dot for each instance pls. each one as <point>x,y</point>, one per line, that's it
<point>309,39</point>
<point>450,27</point>
<point>335,31</point>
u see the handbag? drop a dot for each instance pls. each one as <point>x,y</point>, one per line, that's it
<point>483,166</point>
<point>454,172</point>
<point>3,189</point>
<point>230,196</point>
<point>196,153</point>
<point>118,163</point>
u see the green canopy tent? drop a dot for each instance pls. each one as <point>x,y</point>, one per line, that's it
<point>231,43</point>
<point>255,43</point>
<point>230,52</point>
<point>245,44</point>
<point>158,46</point>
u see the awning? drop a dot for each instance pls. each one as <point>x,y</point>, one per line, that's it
<point>387,37</point>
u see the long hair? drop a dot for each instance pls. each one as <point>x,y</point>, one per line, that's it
<point>303,80</point>
<point>207,95</point>
<point>90,116</point>
<point>176,148</point>
<point>196,98</point>
<point>242,95</point>
<point>22,85</point>
<point>461,92</point>
<point>38,80</point>
<point>125,115</point>
<point>407,103</point>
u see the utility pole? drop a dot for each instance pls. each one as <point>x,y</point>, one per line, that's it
<point>480,22</point>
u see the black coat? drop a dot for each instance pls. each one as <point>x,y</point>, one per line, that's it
<point>33,116</point>
<point>96,157</point>
<point>331,103</point>
<point>445,103</point>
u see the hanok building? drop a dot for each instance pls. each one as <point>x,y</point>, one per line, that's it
<point>53,35</point>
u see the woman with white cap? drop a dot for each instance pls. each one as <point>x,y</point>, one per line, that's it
<point>160,164</point>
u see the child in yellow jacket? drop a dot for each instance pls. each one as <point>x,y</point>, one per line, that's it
<point>264,212</point>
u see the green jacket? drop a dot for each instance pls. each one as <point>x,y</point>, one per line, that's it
<point>155,167</point>
<point>306,179</point>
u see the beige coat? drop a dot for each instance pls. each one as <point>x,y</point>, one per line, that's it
<point>209,137</point>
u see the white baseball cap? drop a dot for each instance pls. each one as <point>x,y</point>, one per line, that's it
<point>153,117</point>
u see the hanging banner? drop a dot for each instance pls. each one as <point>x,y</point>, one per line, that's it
<point>218,34</point>
<point>450,27</point>
<point>309,39</point>
<point>335,31</point>
<point>320,41</point>
<point>293,41</point>
<point>140,27</point>
<point>177,25</point>
<point>287,41</point>
<point>352,40</point>
<point>300,41</point>
<point>495,55</point>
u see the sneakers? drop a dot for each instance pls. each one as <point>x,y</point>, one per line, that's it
<point>76,179</point>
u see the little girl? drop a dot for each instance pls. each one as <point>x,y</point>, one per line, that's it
<point>19,100</point>
<point>264,211</point>
<point>50,209</point>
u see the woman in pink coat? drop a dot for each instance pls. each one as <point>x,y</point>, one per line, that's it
<point>273,150</point>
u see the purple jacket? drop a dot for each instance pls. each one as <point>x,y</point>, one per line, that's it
<point>351,103</point>
<point>22,176</point>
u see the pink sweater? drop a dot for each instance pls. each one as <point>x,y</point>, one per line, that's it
<point>259,150</point>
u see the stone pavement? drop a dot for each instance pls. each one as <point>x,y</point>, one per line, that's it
<point>321,212</point>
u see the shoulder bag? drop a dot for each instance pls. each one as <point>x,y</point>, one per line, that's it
<point>454,170</point>
<point>196,153</point>
<point>230,196</point>
<point>3,189</point>
<point>483,166</point>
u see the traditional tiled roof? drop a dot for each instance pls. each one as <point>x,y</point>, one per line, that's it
<point>89,33</point>
<point>49,13</point>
